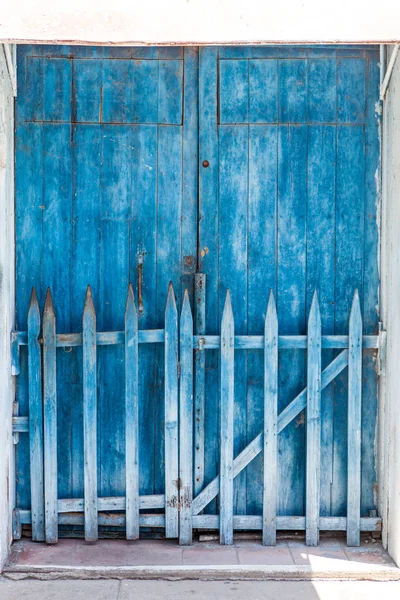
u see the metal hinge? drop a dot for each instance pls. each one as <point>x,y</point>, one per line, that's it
<point>179,369</point>
<point>382,337</point>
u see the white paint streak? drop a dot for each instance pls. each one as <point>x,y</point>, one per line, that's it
<point>6,303</point>
<point>389,432</point>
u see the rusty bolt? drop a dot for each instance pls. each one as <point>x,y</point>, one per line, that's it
<point>206,164</point>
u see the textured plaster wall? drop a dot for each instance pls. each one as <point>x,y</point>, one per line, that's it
<point>390,308</point>
<point>6,302</point>
<point>199,21</point>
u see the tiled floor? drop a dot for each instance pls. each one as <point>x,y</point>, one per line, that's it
<point>119,553</point>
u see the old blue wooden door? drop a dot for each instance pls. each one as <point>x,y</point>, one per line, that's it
<point>288,202</point>
<point>111,146</point>
<point>106,179</point>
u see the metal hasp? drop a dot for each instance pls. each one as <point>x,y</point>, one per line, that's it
<point>140,261</point>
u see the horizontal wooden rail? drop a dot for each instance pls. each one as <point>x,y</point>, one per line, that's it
<point>104,519</point>
<point>240,522</point>
<point>111,503</point>
<point>286,523</point>
<point>200,342</point>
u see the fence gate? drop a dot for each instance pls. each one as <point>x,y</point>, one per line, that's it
<point>244,395</point>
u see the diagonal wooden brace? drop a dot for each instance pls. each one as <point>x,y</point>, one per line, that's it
<point>256,445</point>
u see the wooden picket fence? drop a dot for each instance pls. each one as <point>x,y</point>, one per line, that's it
<point>183,501</point>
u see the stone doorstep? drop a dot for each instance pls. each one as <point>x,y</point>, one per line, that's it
<point>330,571</point>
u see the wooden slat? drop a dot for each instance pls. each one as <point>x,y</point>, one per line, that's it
<point>50,420</point>
<point>200,382</point>
<point>208,342</point>
<point>35,420</point>
<point>90,417</point>
<point>313,424</point>
<point>249,522</point>
<point>270,423</point>
<point>111,503</point>
<point>227,406</point>
<point>131,418</point>
<point>256,445</point>
<point>171,416</point>
<point>354,425</point>
<point>186,423</point>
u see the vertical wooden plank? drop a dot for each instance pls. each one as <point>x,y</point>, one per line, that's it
<point>227,407</point>
<point>116,181</point>
<point>143,237</point>
<point>35,420</point>
<point>186,423</point>
<point>349,257</point>
<point>171,416</point>
<point>321,189</point>
<point>293,91</point>
<point>131,418</point>
<point>208,246</point>
<point>270,423</point>
<point>370,299</point>
<point>313,424</point>
<point>263,91</point>
<point>234,91</point>
<point>354,424</point>
<point>170,82</point>
<point>291,301</point>
<point>90,416</point>
<point>50,420</point>
<point>261,276</point>
<point>233,269</point>
<point>200,381</point>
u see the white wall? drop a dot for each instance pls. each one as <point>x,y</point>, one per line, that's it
<point>390,308</point>
<point>6,301</point>
<point>200,21</point>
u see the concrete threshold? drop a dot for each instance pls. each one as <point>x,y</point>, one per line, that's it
<point>352,572</point>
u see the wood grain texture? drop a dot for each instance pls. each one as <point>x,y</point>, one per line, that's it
<point>186,423</point>
<point>90,416</point>
<point>50,420</point>
<point>313,468</point>
<point>270,492</point>
<point>354,425</point>
<point>36,421</point>
<point>171,417</point>
<point>227,411</point>
<point>131,418</point>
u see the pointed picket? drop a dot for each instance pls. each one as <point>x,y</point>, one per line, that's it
<point>50,420</point>
<point>227,408</point>
<point>90,417</point>
<point>313,424</point>
<point>171,416</point>
<point>131,418</point>
<point>35,420</point>
<point>200,383</point>
<point>186,423</point>
<point>354,424</point>
<point>270,423</point>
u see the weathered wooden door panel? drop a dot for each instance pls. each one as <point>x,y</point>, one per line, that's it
<point>111,148</point>
<point>106,174</point>
<point>291,136</point>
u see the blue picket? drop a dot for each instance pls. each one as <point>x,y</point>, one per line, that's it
<point>200,382</point>
<point>313,424</point>
<point>131,418</point>
<point>35,420</point>
<point>354,424</point>
<point>171,416</point>
<point>227,407</point>
<point>270,423</point>
<point>90,416</point>
<point>50,420</point>
<point>186,423</point>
